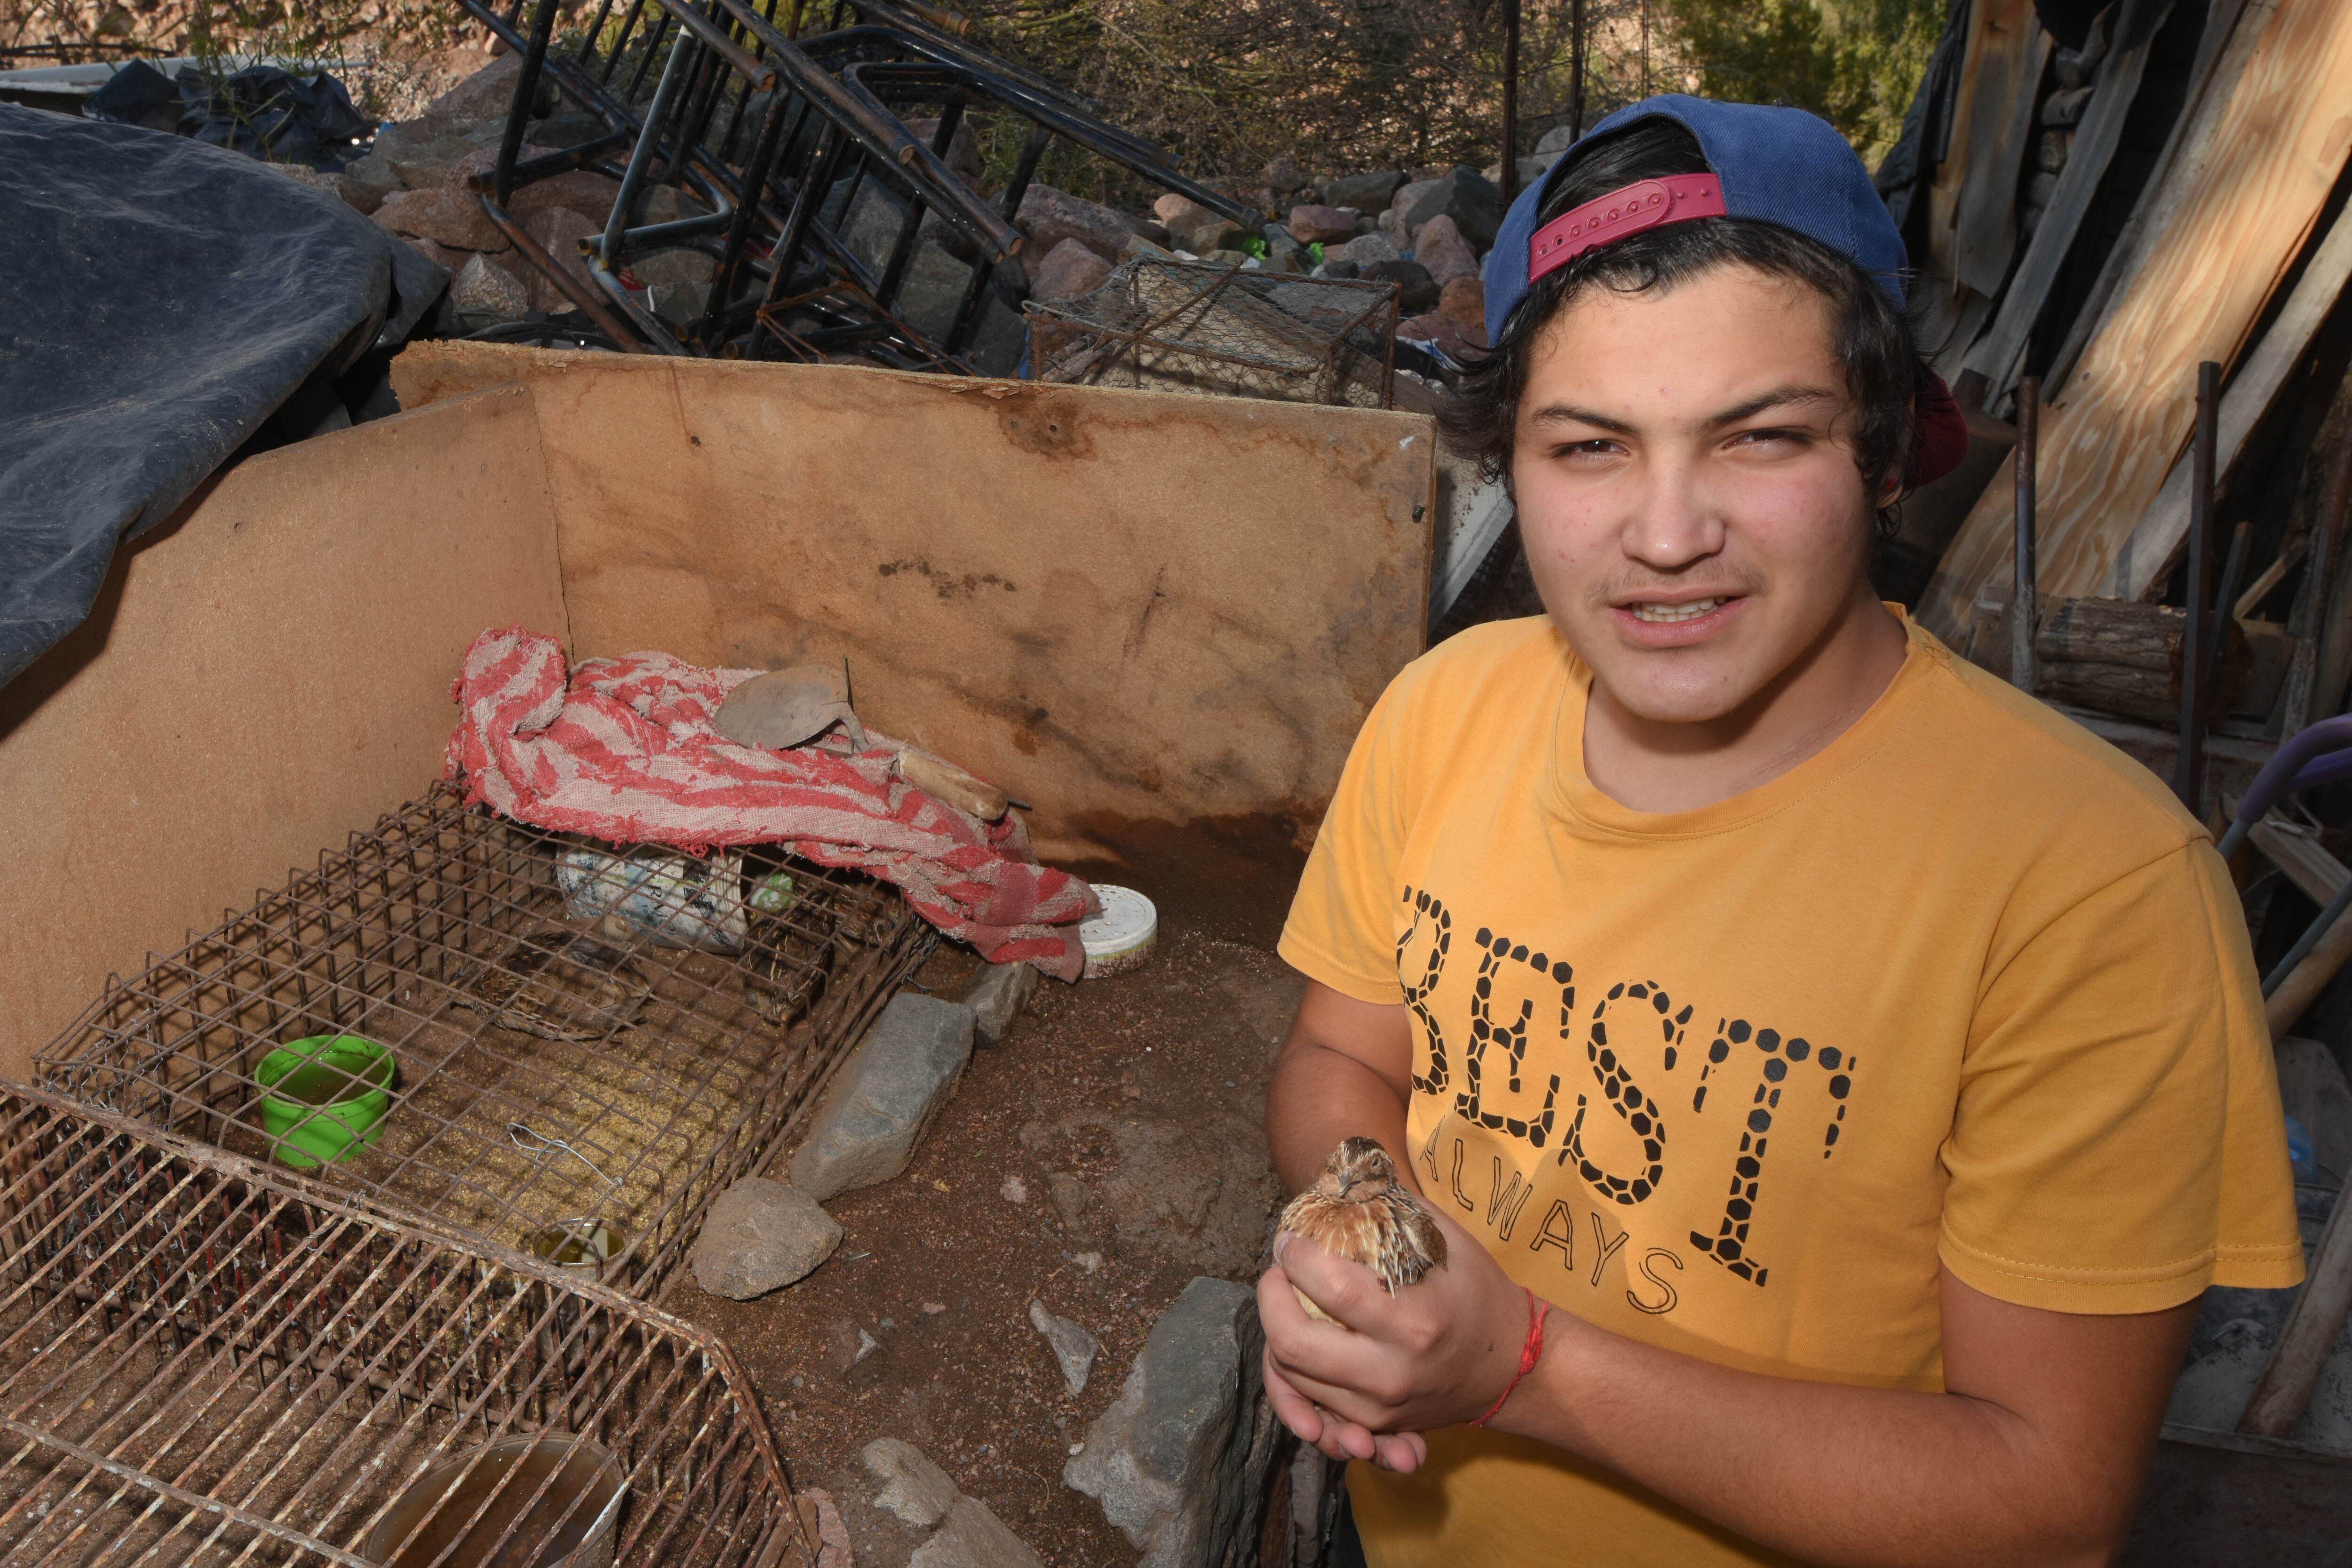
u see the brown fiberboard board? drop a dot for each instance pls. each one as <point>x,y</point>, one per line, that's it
<point>1131,609</point>
<point>264,673</point>
<point>2241,215</point>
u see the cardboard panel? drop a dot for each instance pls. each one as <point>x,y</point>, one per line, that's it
<point>1130,609</point>
<point>262,674</point>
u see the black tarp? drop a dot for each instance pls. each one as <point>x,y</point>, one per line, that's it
<point>159,299</point>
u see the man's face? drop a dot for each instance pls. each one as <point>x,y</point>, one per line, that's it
<point>1686,487</point>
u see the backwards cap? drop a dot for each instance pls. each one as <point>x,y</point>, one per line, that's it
<point>1782,167</point>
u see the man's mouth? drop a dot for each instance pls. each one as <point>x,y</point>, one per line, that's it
<point>1666,615</point>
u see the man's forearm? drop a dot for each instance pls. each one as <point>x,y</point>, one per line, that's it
<point>1319,1097</point>
<point>1826,1471</point>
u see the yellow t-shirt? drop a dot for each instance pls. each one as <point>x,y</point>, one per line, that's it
<point>1967,987</point>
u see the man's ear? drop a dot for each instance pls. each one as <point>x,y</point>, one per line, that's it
<point>1890,490</point>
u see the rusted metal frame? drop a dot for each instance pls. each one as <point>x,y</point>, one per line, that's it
<point>1135,338</point>
<point>939,40</point>
<point>195,1501</point>
<point>731,271</point>
<point>1096,137</point>
<point>832,143</point>
<point>966,325</point>
<point>681,62</point>
<point>666,1131</point>
<point>586,302</point>
<point>865,116</point>
<point>534,57</point>
<point>910,225</point>
<point>714,37</point>
<point>595,26</point>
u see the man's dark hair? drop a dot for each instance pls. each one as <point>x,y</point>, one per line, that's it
<point>1884,371</point>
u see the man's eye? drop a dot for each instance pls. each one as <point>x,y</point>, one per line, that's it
<point>1771,438</point>
<point>1593,448</point>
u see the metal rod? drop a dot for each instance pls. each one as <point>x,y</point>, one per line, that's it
<point>608,245</point>
<point>2188,771</point>
<point>2309,938</point>
<point>550,268</point>
<point>1510,102</point>
<point>2022,617</point>
<point>2231,569</point>
<point>534,57</point>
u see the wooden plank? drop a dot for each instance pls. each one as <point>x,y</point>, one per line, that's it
<point>2283,1390</point>
<point>2191,128</point>
<point>2001,351</point>
<point>2294,851</point>
<point>2279,140</point>
<point>2147,556</point>
<point>2016,52</point>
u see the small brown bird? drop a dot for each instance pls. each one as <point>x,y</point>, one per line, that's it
<point>1358,1208</point>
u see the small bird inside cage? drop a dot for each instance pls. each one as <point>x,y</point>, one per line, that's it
<point>1360,1208</point>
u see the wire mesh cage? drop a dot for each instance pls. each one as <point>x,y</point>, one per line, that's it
<point>206,1361</point>
<point>554,1047</point>
<point>1169,325</point>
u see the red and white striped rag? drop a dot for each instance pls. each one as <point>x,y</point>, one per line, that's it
<point>624,751</point>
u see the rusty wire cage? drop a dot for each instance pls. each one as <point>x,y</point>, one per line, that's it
<point>552,1047</point>
<point>206,1360</point>
<point>1170,325</point>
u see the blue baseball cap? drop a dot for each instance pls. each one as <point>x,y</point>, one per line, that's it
<point>1776,165</point>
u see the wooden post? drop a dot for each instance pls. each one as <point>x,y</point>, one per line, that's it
<point>2021,599</point>
<point>2283,1391</point>
<point>1510,102</point>
<point>2189,775</point>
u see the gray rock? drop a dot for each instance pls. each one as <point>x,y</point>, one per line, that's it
<point>1558,138</point>
<point>761,1236</point>
<point>1278,241</point>
<point>571,130</point>
<point>1169,1459</point>
<point>1365,192</point>
<point>367,181</point>
<point>972,1537</point>
<point>866,1345</point>
<point>914,1491</point>
<point>1312,223</point>
<point>1071,1200</point>
<point>1439,247</point>
<point>1069,270</point>
<point>668,203</point>
<point>1330,269</point>
<point>1219,233</point>
<point>1463,194</point>
<point>2065,108</point>
<point>1180,214</point>
<point>886,1094</point>
<point>1416,291</point>
<point>1367,249</point>
<point>1072,1347</point>
<point>488,293</point>
<point>1049,216</point>
<point>1147,228</point>
<point>996,995</point>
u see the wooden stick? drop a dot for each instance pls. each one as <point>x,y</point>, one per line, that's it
<point>2283,1391</point>
<point>2189,774</point>
<point>2305,982</point>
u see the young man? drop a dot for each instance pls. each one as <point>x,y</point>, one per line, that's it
<point>1837,1075</point>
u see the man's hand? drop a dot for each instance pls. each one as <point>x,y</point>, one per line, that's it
<point>1434,1354</point>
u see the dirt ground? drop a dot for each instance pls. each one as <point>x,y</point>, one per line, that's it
<point>1106,1153</point>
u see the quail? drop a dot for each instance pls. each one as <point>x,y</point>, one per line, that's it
<point>1360,1208</point>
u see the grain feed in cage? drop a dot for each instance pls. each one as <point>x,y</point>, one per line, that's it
<point>427,1020</point>
<point>206,1360</point>
<point>1167,325</point>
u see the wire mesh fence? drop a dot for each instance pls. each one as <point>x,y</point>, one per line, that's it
<point>1161,324</point>
<point>203,1361</point>
<point>554,1048</point>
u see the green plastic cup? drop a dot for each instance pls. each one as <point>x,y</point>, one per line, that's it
<point>324,1097</point>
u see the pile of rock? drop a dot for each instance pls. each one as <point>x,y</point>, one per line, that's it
<point>1427,231</point>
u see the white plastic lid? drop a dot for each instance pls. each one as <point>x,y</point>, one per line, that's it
<point>1128,922</point>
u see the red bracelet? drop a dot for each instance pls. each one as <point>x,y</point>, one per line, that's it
<point>1528,1354</point>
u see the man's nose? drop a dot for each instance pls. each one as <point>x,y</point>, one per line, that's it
<point>1672,522</point>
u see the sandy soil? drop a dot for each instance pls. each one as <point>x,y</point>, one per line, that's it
<point>1108,1151</point>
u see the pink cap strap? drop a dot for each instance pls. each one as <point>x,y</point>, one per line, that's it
<point>1678,198</point>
